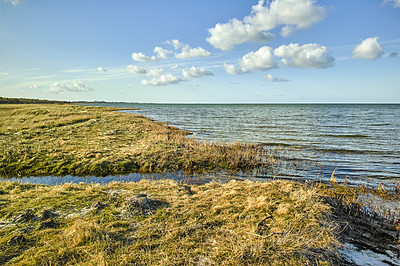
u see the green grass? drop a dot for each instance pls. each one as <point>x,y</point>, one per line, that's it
<point>61,139</point>
<point>238,223</point>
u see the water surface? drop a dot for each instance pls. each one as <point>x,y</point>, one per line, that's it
<point>357,141</point>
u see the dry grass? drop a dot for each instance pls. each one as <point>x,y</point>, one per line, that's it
<point>55,139</point>
<point>238,223</point>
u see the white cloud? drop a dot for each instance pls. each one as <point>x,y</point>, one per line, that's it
<point>396,3</point>
<point>231,69</point>
<point>102,69</point>
<point>75,86</point>
<point>305,56</point>
<point>299,13</point>
<point>262,59</point>
<point>287,30</point>
<point>35,86</point>
<point>155,72</point>
<point>194,72</point>
<point>369,48</point>
<point>13,2</point>
<point>3,74</point>
<point>162,80</point>
<point>226,36</point>
<point>161,52</point>
<point>143,58</point>
<point>265,16</point>
<point>136,70</point>
<point>271,78</point>
<point>188,52</point>
<point>176,44</point>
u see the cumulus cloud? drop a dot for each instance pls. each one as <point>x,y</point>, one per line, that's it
<point>262,59</point>
<point>271,78</point>
<point>369,48</point>
<point>143,58</point>
<point>176,44</point>
<point>194,72</point>
<point>102,69</point>
<point>298,13</point>
<point>155,72</point>
<point>231,69</point>
<point>162,80</point>
<point>75,86</point>
<point>226,36</point>
<point>148,72</point>
<point>136,70</point>
<point>305,56</point>
<point>396,3</point>
<point>161,52</point>
<point>186,51</point>
<point>265,16</point>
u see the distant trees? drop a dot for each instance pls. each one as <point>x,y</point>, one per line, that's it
<point>4,100</point>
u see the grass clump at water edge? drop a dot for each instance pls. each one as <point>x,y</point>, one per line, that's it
<point>164,222</point>
<point>61,139</point>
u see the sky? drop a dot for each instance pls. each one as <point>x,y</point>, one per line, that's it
<point>209,51</point>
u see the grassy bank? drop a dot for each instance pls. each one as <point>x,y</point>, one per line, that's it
<point>163,222</point>
<point>60,139</point>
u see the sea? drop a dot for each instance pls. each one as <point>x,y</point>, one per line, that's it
<point>354,143</point>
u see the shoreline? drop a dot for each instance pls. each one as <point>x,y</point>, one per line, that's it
<point>52,139</point>
<point>67,139</point>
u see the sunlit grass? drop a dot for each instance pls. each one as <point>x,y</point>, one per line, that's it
<point>55,139</point>
<point>238,223</point>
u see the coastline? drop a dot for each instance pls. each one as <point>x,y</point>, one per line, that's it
<point>58,140</point>
<point>68,139</point>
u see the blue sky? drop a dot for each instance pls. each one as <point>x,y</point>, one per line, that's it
<point>209,51</point>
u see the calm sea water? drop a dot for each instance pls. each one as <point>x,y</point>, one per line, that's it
<point>360,141</point>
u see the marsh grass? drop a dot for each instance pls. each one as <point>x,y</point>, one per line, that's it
<point>237,223</point>
<point>61,139</point>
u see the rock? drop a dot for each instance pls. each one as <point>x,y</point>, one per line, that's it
<point>47,214</point>
<point>141,204</point>
<point>186,189</point>
<point>16,240</point>
<point>50,223</point>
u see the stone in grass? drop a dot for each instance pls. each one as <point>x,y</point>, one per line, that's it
<point>16,240</point>
<point>50,223</point>
<point>47,214</point>
<point>141,204</point>
<point>99,205</point>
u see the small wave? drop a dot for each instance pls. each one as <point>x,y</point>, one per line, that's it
<point>345,136</point>
<point>379,125</point>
